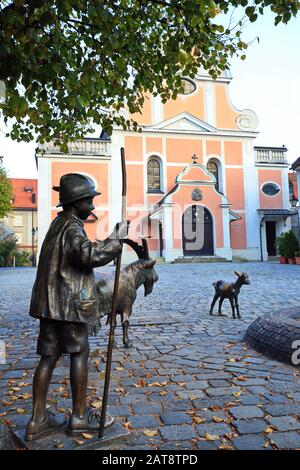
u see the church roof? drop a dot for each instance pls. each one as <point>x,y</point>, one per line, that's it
<point>296,164</point>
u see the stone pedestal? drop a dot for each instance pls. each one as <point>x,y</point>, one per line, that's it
<point>62,441</point>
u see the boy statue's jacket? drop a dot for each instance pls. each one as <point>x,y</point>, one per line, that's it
<point>65,287</point>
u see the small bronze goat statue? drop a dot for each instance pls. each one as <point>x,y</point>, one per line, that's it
<point>131,278</point>
<point>229,290</point>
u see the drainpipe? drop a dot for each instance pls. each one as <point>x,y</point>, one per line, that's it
<point>260,237</point>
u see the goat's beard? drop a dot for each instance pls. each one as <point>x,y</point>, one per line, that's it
<point>148,289</point>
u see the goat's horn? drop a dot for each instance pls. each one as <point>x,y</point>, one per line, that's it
<point>136,247</point>
<point>145,248</point>
<point>237,273</point>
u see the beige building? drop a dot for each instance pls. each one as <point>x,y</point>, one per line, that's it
<point>23,218</point>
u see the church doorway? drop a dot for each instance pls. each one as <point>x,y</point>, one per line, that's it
<point>197,231</point>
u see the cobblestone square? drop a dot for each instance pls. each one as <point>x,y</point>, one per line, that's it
<point>189,382</point>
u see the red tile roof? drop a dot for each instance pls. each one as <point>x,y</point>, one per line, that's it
<point>23,191</point>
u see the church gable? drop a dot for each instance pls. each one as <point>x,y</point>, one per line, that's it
<point>184,122</point>
<point>195,173</point>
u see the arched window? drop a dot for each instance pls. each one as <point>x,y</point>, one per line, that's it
<point>154,175</point>
<point>213,168</point>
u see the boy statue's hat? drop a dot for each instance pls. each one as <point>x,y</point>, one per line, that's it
<point>74,186</point>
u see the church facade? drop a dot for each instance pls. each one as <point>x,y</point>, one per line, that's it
<point>197,186</point>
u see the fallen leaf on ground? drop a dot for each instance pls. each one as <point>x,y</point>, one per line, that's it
<point>59,445</point>
<point>127,425</point>
<point>266,444</point>
<point>96,404</point>
<point>21,410</point>
<point>157,384</point>
<point>215,408</point>
<point>211,437</point>
<point>119,369</point>
<point>193,397</point>
<point>79,442</point>
<point>61,410</point>
<point>8,422</point>
<point>225,447</point>
<point>163,392</point>
<point>237,394</point>
<point>241,378</point>
<point>87,436</point>
<point>15,389</point>
<point>216,419</point>
<point>198,420</point>
<point>270,429</point>
<point>150,433</point>
<point>6,403</point>
<point>25,396</point>
<point>141,383</point>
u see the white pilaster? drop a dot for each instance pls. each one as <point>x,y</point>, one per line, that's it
<point>115,182</point>
<point>226,251</point>
<point>285,188</point>
<point>44,198</point>
<point>210,106</point>
<point>168,232</point>
<point>251,196</point>
<point>157,110</point>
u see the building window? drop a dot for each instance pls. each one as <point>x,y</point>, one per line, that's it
<point>270,189</point>
<point>213,168</point>
<point>18,221</point>
<point>188,86</point>
<point>154,175</point>
<point>19,238</point>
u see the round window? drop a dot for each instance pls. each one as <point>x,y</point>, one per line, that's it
<point>188,86</point>
<point>270,189</point>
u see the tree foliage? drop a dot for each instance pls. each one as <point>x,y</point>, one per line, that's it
<point>6,193</point>
<point>66,62</point>
<point>8,243</point>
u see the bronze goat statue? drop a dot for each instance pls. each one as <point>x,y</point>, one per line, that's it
<point>229,290</point>
<point>131,278</point>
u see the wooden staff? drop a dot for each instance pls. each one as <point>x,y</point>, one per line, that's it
<point>114,307</point>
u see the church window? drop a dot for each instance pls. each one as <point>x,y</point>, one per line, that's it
<point>154,175</point>
<point>188,86</point>
<point>270,189</point>
<point>213,168</point>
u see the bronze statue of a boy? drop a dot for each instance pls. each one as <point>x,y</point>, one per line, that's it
<point>65,301</point>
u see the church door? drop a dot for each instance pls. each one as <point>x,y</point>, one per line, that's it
<point>197,232</point>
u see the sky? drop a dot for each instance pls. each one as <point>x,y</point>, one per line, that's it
<point>267,82</point>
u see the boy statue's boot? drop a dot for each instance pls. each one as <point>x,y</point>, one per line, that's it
<point>35,429</point>
<point>89,423</point>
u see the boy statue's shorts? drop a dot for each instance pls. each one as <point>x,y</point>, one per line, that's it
<point>61,337</point>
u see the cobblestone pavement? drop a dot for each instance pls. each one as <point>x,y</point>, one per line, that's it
<point>189,382</point>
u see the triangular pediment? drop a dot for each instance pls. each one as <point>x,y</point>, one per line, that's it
<point>184,122</point>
